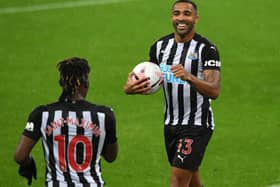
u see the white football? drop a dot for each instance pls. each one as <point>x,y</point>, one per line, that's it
<point>152,71</point>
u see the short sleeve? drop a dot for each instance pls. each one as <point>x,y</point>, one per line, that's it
<point>33,124</point>
<point>110,125</point>
<point>210,58</point>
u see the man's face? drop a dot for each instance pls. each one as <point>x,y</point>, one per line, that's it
<point>184,17</point>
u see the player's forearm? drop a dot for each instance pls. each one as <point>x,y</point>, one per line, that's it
<point>110,152</point>
<point>209,89</point>
<point>22,160</point>
<point>22,153</point>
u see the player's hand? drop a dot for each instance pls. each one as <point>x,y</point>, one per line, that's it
<point>28,171</point>
<point>180,72</point>
<point>140,85</point>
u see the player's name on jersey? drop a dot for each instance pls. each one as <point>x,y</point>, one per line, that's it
<point>168,76</point>
<point>74,122</point>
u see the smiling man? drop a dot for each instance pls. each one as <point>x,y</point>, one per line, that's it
<point>184,17</point>
<point>188,117</point>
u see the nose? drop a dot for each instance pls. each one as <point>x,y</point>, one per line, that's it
<point>181,17</point>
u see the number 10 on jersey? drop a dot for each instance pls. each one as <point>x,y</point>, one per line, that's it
<point>70,153</point>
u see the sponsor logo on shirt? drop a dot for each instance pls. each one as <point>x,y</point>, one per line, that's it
<point>168,76</point>
<point>212,63</point>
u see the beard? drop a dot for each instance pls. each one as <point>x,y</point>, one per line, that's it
<point>183,29</point>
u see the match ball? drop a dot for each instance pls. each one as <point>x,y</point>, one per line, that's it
<point>151,71</point>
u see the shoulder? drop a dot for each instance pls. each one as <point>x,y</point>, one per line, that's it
<point>205,42</point>
<point>165,38</point>
<point>104,109</point>
<point>160,42</point>
<point>97,107</point>
<point>106,112</point>
<point>202,39</point>
<point>209,53</point>
<point>35,115</point>
<point>39,109</point>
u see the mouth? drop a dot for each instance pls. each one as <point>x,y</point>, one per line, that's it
<point>181,26</point>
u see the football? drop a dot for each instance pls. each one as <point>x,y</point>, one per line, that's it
<point>150,70</point>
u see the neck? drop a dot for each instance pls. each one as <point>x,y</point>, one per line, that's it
<point>184,38</point>
<point>65,97</point>
<point>77,97</point>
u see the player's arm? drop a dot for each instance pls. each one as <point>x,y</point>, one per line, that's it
<point>110,152</point>
<point>30,136</point>
<point>22,156</point>
<point>136,86</point>
<point>209,86</point>
<point>110,149</point>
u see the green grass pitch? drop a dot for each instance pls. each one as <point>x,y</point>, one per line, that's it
<point>114,37</point>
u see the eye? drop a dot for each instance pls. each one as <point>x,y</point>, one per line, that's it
<point>176,13</point>
<point>187,13</point>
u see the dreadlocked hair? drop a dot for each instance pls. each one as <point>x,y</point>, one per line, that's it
<point>73,72</point>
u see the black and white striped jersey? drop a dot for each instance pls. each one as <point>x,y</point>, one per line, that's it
<point>183,104</point>
<point>73,136</point>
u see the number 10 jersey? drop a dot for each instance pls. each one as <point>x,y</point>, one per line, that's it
<point>73,136</point>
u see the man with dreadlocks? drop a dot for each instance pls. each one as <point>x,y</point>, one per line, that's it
<point>75,133</point>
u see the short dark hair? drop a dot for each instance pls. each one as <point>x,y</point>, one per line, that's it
<point>186,1</point>
<point>73,73</point>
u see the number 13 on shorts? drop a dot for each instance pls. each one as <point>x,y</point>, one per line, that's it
<point>185,146</point>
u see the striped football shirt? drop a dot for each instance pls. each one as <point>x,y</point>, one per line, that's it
<point>73,136</point>
<point>183,104</point>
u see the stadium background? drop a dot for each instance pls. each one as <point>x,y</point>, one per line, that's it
<point>244,151</point>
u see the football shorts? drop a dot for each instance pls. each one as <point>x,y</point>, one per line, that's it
<point>186,144</point>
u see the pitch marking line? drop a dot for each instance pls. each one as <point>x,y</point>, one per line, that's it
<point>50,6</point>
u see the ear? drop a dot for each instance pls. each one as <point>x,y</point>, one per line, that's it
<point>196,19</point>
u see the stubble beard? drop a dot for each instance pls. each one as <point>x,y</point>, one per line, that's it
<point>183,34</point>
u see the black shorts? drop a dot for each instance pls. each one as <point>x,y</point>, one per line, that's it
<point>185,145</point>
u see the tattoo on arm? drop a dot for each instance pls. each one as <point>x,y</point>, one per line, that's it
<point>212,76</point>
